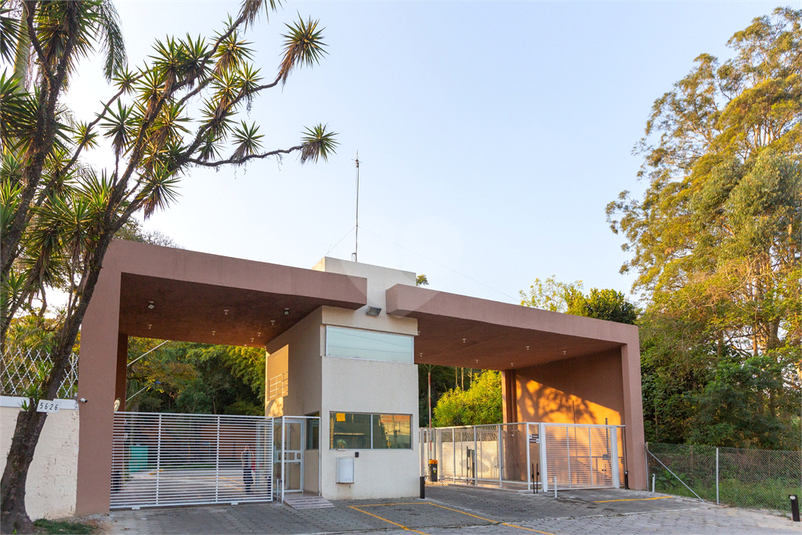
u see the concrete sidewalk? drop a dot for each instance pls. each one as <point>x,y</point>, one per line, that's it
<point>449,510</point>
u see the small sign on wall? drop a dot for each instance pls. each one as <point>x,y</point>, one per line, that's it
<point>534,438</point>
<point>47,406</point>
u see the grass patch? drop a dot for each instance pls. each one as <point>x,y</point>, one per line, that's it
<point>61,526</point>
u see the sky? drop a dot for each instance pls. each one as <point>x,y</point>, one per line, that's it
<point>491,136</point>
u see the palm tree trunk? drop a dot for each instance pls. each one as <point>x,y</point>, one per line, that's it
<point>23,445</point>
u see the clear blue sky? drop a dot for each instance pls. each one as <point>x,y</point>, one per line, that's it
<point>491,135</point>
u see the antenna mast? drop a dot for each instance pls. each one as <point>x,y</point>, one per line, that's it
<point>356,233</point>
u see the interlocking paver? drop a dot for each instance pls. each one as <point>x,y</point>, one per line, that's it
<point>450,510</point>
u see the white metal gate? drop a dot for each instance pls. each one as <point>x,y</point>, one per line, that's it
<point>527,455</point>
<point>190,459</point>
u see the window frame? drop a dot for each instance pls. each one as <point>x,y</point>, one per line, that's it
<point>332,422</point>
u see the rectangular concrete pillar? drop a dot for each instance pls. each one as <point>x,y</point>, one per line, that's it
<point>97,384</point>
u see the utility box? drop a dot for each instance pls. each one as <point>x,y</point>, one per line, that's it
<point>345,470</point>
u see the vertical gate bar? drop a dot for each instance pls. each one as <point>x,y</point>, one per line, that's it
<point>500,459</point>
<point>590,453</point>
<point>217,464</point>
<point>302,446</point>
<point>454,455</point>
<point>544,467</point>
<point>528,458</point>
<point>283,446</point>
<point>717,501</point>
<point>568,447</point>
<point>158,457</point>
<point>614,456</point>
<point>475,456</point>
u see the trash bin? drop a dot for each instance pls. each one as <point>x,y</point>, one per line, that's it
<point>433,470</point>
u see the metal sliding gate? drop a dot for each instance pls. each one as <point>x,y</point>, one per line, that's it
<point>190,459</point>
<point>527,455</point>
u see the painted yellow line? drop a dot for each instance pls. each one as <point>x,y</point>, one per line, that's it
<point>388,521</point>
<point>493,521</point>
<point>635,499</point>
<point>447,508</point>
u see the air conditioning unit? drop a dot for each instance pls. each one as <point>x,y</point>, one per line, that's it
<point>345,470</point>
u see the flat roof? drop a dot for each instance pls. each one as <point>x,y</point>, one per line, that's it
<point>175,294</point>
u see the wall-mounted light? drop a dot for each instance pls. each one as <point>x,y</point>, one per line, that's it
<point>286,311</point>
<point>464,340</point>
<point>151,305</point>
<point>373,311</point>
<point>527,348</point>
<point>225,311</point>
<point>272,322</point>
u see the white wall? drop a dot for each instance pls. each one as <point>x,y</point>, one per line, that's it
<point>53,474</point>
<point>357,385</point>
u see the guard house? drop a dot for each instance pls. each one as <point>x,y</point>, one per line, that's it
<point>343,341</point>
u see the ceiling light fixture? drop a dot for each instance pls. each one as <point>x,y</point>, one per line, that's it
<point>151,305</point>
<point>373,311</point>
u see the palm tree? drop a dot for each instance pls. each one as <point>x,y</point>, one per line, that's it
<point>58,218</point>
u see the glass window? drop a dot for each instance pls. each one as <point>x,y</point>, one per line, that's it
<point>350,431</point>
<point>313,432</point>
<point>354,431</point>
<point>372,345</point>
<point>392,431</point>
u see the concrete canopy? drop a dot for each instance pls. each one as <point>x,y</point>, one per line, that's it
<point>173,294</point>
<point>457,330</point>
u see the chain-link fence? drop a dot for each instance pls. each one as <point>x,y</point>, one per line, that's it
<point>21,369</point>
<point>755,479</point>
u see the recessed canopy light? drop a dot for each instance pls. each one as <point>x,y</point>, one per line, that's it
<point>373,311</point>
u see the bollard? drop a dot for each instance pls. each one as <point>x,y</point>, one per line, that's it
<point>554,480</point>
<point>794,507</point>
<point>422,487</point>
<point>654,477</point>
<point>626,480</point>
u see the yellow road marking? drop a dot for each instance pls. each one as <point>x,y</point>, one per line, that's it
<point>389,521</point>
<point>491,520</point>
<point>442,507</point>
<point>635,499</point>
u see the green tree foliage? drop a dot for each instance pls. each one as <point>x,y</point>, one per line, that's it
<point>479,404</point>
<point>196,378</point>
<point>568,298</point>
<point>180,109</point>
<point>716,242</point>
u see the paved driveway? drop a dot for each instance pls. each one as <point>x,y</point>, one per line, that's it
<point>450,510</point>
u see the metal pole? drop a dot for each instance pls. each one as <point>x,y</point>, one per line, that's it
<point>500,459</point>
<point>554,480</point>
<point>356,233</point>
<point>158,457</point>
<point>544,469</point>
<point>283,445</point>
<point>614,458</point>
<point>528,459</point>
<point>475,456</point>
<point>717,500</point>
<point>217,463</point>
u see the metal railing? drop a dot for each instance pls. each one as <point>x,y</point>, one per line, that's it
<point>755,479</point>
<point>190,459</point>
<point>528,455</point>
<point>23,368</point>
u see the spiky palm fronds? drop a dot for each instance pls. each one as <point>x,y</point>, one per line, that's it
<point>318,143</point>
<point>303,45</point>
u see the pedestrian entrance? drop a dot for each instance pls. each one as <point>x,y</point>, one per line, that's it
<point>529,455</point>
<point>163,459</point>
